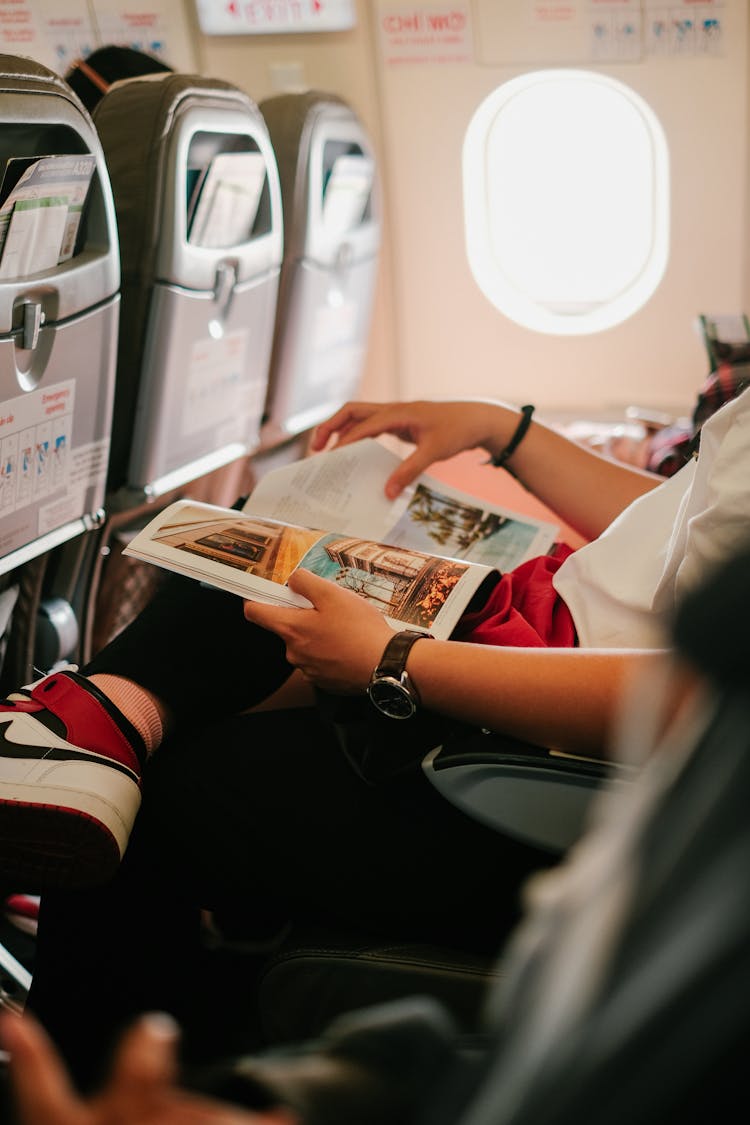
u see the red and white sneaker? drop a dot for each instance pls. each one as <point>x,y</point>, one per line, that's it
<point>70,784</point>
<point>22,911</point>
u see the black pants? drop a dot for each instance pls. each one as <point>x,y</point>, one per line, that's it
<point>259,811</point>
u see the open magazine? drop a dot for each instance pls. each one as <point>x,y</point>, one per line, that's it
<point>420,558</point>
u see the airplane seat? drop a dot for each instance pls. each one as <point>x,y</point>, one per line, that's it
<point>59,315</point>
<point>310,974</point>
<point>310,980</point>
<point>534,794</point>
<point>58,345</point>
<point>198,204</point>
<point>332,234</point>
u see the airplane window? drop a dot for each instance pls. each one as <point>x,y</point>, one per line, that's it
<point>566,200</point>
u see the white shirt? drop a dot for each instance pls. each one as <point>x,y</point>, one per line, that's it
<point>622,588</point>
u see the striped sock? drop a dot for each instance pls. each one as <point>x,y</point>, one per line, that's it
<point>136,704</point>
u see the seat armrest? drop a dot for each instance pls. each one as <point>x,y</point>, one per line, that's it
<point>538,795</point>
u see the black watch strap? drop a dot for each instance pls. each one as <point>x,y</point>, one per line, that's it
<point>396,653</point>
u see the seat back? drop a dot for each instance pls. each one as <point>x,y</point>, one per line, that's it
<point>199,290</point>
<point>198,204</point>
<point>58,333</point>
<point>332,239</point>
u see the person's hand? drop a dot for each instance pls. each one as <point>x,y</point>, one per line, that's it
<point>337,642</point>
<point>141,1089</point>
<point>438,430</point>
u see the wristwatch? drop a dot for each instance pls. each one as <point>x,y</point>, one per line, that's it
<point>390,688</point>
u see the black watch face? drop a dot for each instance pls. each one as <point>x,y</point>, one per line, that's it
<point>392,698</point>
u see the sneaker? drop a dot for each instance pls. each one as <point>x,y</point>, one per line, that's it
<point>70,784</point>
<point>22,911</point>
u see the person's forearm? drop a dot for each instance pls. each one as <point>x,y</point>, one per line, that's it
<point>560,697</point>
<point>586,489</point>
<point>565,699</point>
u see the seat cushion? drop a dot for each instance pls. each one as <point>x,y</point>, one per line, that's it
<point>309,981</point>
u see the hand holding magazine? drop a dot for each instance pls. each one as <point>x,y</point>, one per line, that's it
<point>420,558</point>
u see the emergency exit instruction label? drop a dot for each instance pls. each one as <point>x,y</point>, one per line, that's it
<point>35,445</point>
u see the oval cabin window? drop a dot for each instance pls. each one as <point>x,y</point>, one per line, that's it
<point>566,201</point>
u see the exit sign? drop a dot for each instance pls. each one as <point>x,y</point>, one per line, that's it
<point>274,17</point>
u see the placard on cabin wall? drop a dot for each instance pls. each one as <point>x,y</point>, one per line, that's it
<point>258,17</point>
<point>56,35</point>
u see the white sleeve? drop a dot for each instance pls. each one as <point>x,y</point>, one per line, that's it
<point>623,588</point>
<point>718,520</point>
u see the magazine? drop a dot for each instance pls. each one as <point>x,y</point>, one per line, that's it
<point>225,200</point>
<point>40,213</point>
<point>420,558</point>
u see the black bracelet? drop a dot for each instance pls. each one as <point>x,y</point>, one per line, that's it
<point>520,433</point>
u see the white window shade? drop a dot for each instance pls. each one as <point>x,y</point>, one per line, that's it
<point>566,201</point>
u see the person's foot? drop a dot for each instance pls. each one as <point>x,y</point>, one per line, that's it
<point>22,911</point>
<point>70,774</point>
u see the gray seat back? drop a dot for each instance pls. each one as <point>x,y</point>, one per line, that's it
<point>332,240</point>
<point>197,312</point>
<point>58,334</point>
<point>58,342</point>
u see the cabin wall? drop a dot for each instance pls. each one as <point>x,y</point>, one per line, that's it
<point>435,334</point>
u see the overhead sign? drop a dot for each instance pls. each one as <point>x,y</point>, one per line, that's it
<point>274,17</point>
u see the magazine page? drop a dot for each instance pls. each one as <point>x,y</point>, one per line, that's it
<point>253,556</point>
<point>344,488</point>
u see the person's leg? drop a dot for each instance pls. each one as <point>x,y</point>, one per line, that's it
<point>263,811</point>
<point>192,648</point>
<point>71,759</point>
